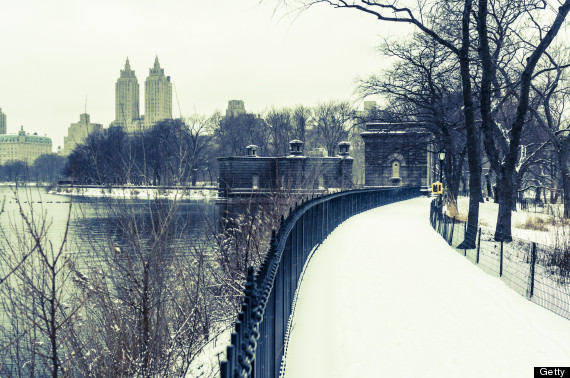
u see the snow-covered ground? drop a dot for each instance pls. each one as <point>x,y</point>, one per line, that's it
<point>137,192</point>
<point>385,296</point>
<point>488,213</point>
<point>207,362</point>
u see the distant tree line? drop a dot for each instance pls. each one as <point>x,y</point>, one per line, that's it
<point>184,151</point>
<point>46,168</point>
<point>173,152</point>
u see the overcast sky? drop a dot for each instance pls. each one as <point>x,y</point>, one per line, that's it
<point>56,54</point>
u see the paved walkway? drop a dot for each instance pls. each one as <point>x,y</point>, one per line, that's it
<point>384,296</point>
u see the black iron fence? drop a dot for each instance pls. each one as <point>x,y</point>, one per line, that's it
<point>258,342</point>
<point>539,272</point>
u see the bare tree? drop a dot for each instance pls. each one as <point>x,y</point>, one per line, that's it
<point>37,297</point>
<point>300,118</point>
<point>494,22</point>
<point>233,134</point>
<point>150,309</point>
<point>551,114</point>
<point>423,86</point>
<point>199,140</point>
<point>333,122</point>
<point>280,126</point>
<point>502,141</point>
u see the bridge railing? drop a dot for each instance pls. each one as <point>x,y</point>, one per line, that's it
<point>258,342</point>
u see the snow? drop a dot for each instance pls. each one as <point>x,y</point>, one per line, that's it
<point>488,214</point>
<point>385,296</point>
<point>138,192</point>
<point>207,362</point>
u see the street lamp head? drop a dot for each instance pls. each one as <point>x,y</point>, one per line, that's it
<point>441,155</point>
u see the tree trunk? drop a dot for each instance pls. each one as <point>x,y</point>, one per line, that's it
<point>566,197</point>
<point>537,191</point>
<point>563,162</point>
<point>503,230</point>
<point>145,319</point>
<point>453,178</point>
<point>464,182</point>
<point>554,193</point>
<point>471,128</point>
<point>489,186</point>
<point>452,193</point>
<point>506,199</point>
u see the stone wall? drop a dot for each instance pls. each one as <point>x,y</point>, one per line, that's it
<point>249,174</point>
<point>397,155</point>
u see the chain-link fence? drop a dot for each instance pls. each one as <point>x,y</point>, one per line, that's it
<point>539,272</point>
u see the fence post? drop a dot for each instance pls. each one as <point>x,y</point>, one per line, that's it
<point>292,248</point>
<point>501,261</point>
<point>452,228</point>
<point>319,222</point>
<point>478,245</point>
<point>224,370</point>
<point>435,218</point>
<point>530,290</point>
<point>445,227</point>
<point>464,237</point>
<point>278,330</point>
<point>329,216</point>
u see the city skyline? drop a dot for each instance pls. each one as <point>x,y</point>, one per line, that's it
<point>65,60</point>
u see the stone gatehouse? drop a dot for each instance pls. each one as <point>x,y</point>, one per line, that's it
<point>397,154</point>
<point>253,175</point>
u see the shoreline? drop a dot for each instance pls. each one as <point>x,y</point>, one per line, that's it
<point>142,192</point>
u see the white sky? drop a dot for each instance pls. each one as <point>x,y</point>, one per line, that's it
<point>54,54</point>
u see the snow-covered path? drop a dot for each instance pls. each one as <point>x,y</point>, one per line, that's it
<point>385,296</point>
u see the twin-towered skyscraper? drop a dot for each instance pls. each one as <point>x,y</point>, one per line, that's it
<point>158,98</point>
<point>127,97</point>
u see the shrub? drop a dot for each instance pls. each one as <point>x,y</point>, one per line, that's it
<point>534,223</point>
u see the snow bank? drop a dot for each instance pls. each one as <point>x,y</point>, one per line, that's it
<point>385,296</point>
<point>489,211</point>
<point>136,192</point>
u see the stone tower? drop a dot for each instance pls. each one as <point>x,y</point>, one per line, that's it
<point>127,98</point>
<point>235,108</point>
<point>2,122</point>
<point>397,154</point>
<point>158,96</point>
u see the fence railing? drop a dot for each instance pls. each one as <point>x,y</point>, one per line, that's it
<point>537,271</point>
<point>258,342</point>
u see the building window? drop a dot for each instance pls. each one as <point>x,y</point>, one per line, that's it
<point>255,183</point>
<point>395,169</point>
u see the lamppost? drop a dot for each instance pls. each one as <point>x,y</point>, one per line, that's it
<point>441,156</point>
<point>441,163</point>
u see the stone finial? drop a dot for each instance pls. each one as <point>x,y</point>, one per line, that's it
<point>343,148</point>
<point>251,150</point>
<point>296,147</point>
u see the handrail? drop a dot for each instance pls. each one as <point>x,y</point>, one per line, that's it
<point>257,343</point>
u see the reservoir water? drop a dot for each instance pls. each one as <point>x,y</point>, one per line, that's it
<point>92,228</point>
<point>96,219</point>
